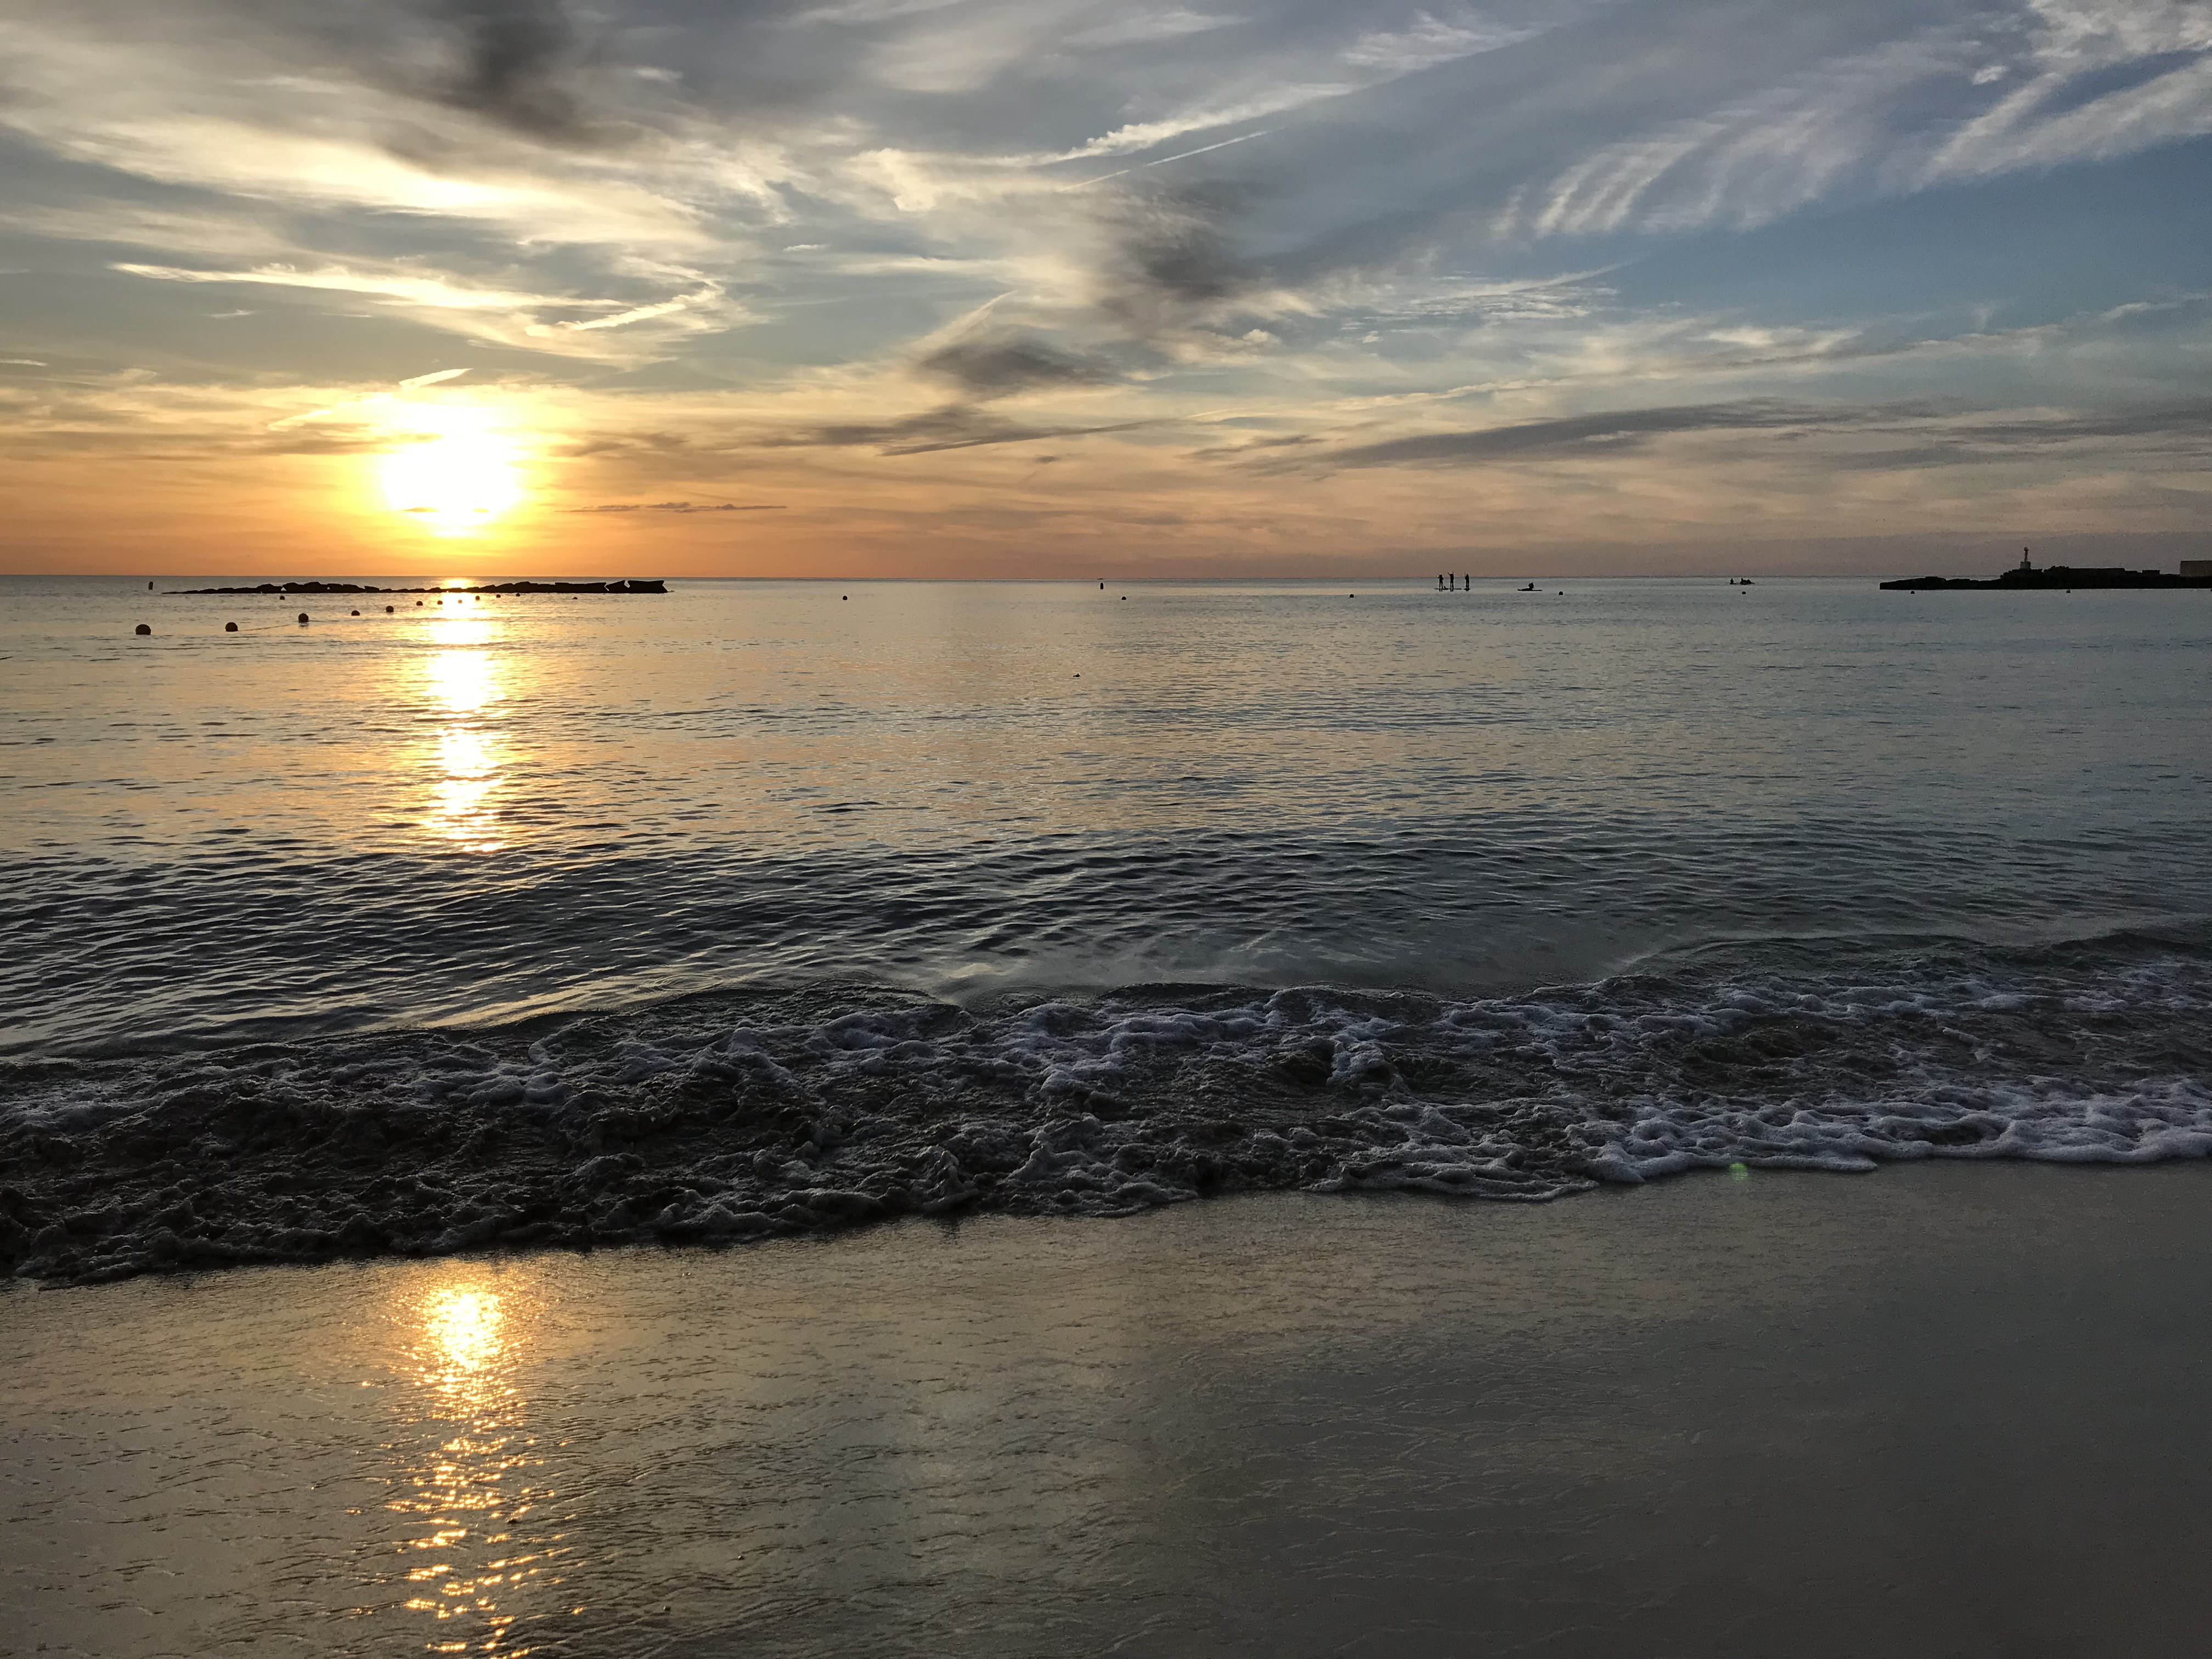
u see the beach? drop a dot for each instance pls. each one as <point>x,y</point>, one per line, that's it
<point>1936,1410</point>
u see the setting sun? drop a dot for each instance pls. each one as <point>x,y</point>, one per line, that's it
<point>456,477</point>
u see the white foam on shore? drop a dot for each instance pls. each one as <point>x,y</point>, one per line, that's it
<point>757,1114</point>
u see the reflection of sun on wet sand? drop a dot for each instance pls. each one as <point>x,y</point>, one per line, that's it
<point>1789,1415</point>
<point>464,1328</point>
<point>468,1479</point>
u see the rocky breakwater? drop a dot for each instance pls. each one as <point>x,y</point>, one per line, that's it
<point>635,585</point>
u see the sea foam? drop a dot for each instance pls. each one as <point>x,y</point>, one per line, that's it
<point>743,1115</point>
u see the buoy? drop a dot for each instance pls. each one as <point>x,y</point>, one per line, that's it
<point>356,613</point>
<point>230,628</point>
<point>143,630</point>
<point>418,604</point>
<point>844,596</point>
<point>387,610</point>
<point>303,619</point>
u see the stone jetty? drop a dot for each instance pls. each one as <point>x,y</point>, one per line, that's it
<point>635,585</point>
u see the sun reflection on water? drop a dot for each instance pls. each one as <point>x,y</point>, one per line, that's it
<point>464,683</point>
<point>471,1487</point>
<point>464,1328</point>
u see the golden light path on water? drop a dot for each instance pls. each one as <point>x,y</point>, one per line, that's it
<point>465,687</point>
<point>470,1487</point>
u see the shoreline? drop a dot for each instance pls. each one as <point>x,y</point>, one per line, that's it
<point>1727,1416</point>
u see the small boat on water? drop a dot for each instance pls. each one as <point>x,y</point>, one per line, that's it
<point>1530,589</point>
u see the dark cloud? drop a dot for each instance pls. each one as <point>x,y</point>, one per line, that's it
<point>2188,423</point>
<point>1170,263</point>
<point>1003,363</point>
<point>956,426</point>
<point>516,61</point>
<point>681,507</point>
<point>1941,431</point>
<point>2171,429</point>
<point>1612,432</point>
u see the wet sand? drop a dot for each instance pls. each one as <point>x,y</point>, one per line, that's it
<point>1938,1410</point>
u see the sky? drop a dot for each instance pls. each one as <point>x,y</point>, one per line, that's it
<point>1065,289</point>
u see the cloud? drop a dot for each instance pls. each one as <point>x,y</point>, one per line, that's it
<point>1003,363</point>
<point>433,292</point>
<point>1945,433</point>
<point>1142,28</point>
<point>681,507</point>
<point>505,315</point>
<point>339,108</point>
<point>2040,125</point>
<point>1170,259</point>
<point>2181,431</point>
<point>1142,135</point>
<point>1613,430</point>
<point>1923,108</point>
<point>956,426</point>
<point>1430,40</point>
<point>635,313</point>
<point>514,61</point>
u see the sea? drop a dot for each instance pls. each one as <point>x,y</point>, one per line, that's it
<point>440,923</point>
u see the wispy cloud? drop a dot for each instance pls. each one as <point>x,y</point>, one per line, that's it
<point>954,426</point>
<point>1941,433</point>
<point>693,304</point>
<point>506,315</point>
<point>681,507</point>
<point>434,293</point>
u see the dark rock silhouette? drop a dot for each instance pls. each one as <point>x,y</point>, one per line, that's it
<point>635,585</point>
<point>2025,575</point>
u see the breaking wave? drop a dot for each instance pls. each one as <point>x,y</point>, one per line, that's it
<point>743,1115</point>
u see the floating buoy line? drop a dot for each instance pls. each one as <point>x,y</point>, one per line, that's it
<point>303,619</point>
<point>519,590</point>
